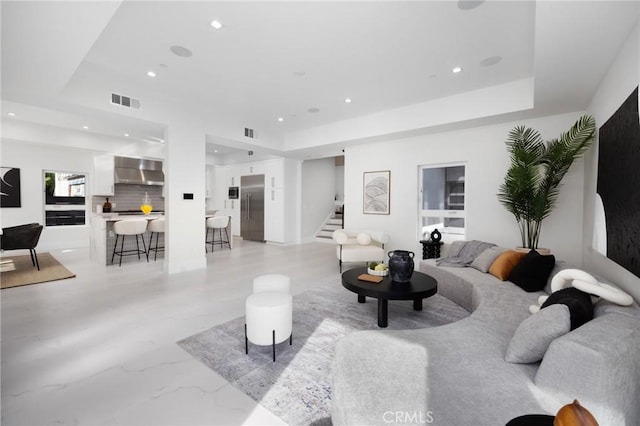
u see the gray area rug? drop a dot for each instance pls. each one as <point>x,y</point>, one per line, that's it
<point>297,387</point>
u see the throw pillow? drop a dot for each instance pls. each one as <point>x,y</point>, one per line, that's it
<point>364,239</point>
<point>578,302</point>
<point>532,272</point>
<point>486,258</point>
<point>534,335</point>
<point>340,237</point>
<point>504,264</point>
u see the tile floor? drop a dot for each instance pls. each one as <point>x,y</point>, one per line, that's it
<point>99,349</point>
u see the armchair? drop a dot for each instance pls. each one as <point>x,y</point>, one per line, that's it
<point>359,246</point>
<point>22,237</point>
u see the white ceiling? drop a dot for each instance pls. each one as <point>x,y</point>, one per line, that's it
<point>61,60</point>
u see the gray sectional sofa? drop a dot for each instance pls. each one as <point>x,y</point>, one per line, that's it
<point>456,375</point>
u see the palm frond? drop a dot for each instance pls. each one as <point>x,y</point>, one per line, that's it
<point>532,182</point>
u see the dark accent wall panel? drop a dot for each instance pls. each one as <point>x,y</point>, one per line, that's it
<point>619,183</point>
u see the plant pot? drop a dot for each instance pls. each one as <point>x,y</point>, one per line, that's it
<point>540,250</point>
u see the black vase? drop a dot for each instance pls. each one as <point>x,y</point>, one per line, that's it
<point>401,265</point>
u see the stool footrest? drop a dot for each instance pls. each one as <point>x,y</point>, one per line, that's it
<point>273,344</point>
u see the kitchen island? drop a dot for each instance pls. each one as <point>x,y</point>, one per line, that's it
<point>103,238</point>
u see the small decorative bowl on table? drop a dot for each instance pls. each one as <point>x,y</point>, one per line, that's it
<point>377,273</point>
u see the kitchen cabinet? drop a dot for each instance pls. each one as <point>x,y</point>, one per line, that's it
<point>281,189</point>
<point>98,239</point>
<point>275,173</point>
<point>274,214</point>
<point>280,195</point>
<point>103,172</point>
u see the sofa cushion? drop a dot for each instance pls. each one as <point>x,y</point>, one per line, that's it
<point>532,272</point>
<point>504,264</point>
<point>578,302</point>
<point>534,335</point>
<point>483,262</point>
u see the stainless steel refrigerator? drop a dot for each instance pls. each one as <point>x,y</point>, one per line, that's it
<point>252,207</point>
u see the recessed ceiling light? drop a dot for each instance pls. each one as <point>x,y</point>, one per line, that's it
<point>347,101</point>
<point>181,51</point>
<point>151,73</point>
<point>216,24</point>
<point>280,119</point>
<point>215,150</point>
<point>469,4</point>
<point>126,135</point>
<point>85,127</point>
<point>456,70</point>
<point>11,114</point>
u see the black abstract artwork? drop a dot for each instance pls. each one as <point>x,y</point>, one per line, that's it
<point>9,187</point>
<point>619,184</point>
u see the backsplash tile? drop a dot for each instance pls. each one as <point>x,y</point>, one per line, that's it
<point>129,197</point>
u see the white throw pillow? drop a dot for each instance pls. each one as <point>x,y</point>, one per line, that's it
<point>340,237</point>
<point>364,239</point>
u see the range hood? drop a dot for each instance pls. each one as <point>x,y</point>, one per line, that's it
<point>137,171</point>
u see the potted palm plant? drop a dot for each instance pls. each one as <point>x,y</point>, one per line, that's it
<point>532,183</point>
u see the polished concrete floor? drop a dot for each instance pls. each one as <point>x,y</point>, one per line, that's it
<point>100,349</point>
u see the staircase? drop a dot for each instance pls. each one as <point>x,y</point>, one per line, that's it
<point>333,222</point>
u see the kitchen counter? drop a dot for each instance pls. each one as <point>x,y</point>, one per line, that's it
<point>114,217</point>
<point>103,238</point>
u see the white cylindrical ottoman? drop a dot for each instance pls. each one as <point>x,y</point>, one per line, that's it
<point>272,282</point>
<point>269,319</point>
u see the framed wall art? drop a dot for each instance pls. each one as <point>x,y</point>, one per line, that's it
<point>10,187</point>
<point>376,192</point>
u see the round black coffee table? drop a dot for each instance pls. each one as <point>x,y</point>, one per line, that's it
<point>420,287</point>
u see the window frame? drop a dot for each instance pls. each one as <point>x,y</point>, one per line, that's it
<point>441,213</point>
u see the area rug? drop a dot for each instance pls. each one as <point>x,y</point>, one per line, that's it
<point>25,273</point>
<point>297,387</point>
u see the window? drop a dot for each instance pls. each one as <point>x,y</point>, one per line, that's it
<point>442,201</point>
<point>64,198</point>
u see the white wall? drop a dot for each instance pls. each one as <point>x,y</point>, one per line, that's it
<point>482,149</point>
<point>32,159</point>
<point>318,193</point>
<point>340,183</point>
<point>623,76</point>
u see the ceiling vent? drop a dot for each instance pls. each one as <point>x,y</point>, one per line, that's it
<point>250,133</point>
<point>124,101</point>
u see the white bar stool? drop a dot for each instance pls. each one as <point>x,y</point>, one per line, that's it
<point>269,320</point>
<point>272,282</point>
<point>129,227</point>
<point>156,226</point>
<point>219,223</point>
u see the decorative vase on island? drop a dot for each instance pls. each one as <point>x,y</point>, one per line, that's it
<point>146,206</point>
<point>401,265</point>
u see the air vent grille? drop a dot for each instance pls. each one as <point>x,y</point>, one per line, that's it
<point>250,133</point>
<point>125,101</point>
